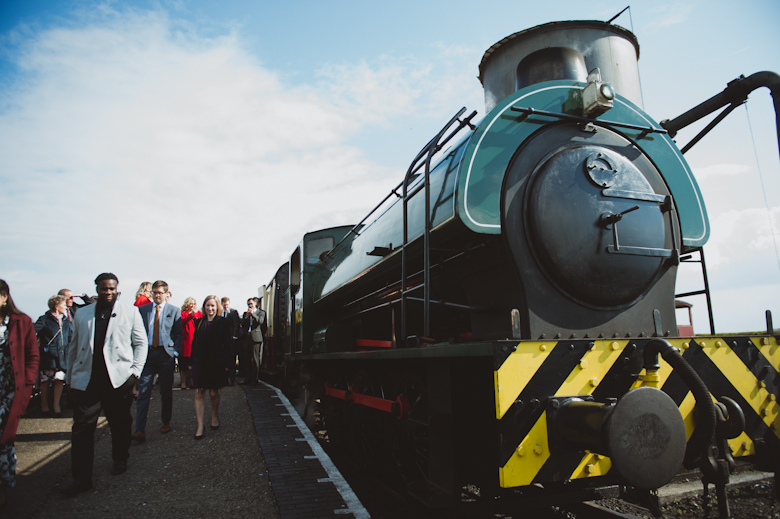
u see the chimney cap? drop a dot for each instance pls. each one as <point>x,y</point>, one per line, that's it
<point>554,26</point>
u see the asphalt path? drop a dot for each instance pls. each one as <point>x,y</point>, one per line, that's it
<point>169,476</point>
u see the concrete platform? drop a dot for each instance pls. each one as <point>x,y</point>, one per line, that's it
<point>262,462</point>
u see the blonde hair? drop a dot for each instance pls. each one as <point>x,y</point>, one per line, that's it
<point>216,300</point>
<point>56,300</point>
<point>187,302</point>
<point>144,289</point>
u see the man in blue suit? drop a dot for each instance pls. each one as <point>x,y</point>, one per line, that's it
<point>162,321</point>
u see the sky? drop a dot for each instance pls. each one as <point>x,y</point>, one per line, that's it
<point>197,141</point>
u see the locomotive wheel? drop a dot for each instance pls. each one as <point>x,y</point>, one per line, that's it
<point>365,429</point>
<point>411,440</point>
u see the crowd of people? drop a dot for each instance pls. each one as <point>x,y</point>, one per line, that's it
<point>147,339</point>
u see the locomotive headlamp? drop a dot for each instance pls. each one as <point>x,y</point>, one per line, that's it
<point>608,91</point>
<point>597,96</point>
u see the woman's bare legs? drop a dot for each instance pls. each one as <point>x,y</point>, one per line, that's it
<point>45,397</point>
<point>200,407</point>
<point>214,394</point>
<point>58,384</point>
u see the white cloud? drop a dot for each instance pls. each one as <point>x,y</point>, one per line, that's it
<point>135,145</point>
<point>743,270</point>
<point>671,14</point>
<point>720,170</point>
<point>389,88</point>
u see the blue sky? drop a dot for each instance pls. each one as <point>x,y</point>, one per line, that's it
<point>197,141</point>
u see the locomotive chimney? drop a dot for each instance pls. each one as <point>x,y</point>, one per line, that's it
<point>561,50</point>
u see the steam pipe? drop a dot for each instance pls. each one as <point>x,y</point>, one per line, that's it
<point>736,92</point>
<point>706,419</point>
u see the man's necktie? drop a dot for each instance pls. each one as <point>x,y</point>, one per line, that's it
<point>156,330</point>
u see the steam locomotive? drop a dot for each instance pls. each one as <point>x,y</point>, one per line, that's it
<point>504,320</point>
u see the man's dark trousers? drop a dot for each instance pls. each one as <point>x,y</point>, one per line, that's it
<point>86,410</point>
<point>157,361</point>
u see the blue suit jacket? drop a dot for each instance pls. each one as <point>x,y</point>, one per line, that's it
<point>170,326</point>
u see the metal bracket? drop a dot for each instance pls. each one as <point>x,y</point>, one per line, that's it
<point>381,251</point>
<point>609,218</point>
<point>574,118</point>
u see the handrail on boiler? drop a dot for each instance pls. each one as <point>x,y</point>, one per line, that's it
<point>354,229</point>
<point>427,153</point>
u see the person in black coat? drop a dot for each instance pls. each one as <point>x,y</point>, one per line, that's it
<point>235,327</point>
<point>54,331</point>
<point>211,354</point>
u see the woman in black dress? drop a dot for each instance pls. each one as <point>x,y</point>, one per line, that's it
<point>210,356</point>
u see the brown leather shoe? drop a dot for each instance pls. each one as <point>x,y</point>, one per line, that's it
<point>139,436</point>
<point>165,427</point>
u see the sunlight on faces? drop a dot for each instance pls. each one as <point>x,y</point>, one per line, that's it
<point>210,308</point>
<point>107,290</point>
<point>158,295</point>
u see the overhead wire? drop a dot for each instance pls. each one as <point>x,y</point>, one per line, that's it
<point>763,188</point>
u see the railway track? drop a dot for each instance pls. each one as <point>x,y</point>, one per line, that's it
<point>682,497</point>
<point>384,502</point>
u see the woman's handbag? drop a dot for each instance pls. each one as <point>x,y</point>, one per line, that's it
<point>48,362</point>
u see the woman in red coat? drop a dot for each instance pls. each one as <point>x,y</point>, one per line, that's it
<point>188,316</point>
<point>18,374</point>
<point>144,294</point>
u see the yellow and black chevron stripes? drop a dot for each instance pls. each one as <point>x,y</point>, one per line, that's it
<point>592,465</point>
<point>516,371</point>
<point>751,365</point>
<point>745,369</point>
<point>521,366</point>
<point>532,373</point>
<point>529,457</point>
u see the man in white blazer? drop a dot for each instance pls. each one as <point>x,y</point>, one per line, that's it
<point>106,357</point>
<point>162,322</point>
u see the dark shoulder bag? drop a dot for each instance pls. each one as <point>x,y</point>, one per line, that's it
<point>48,361</point>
